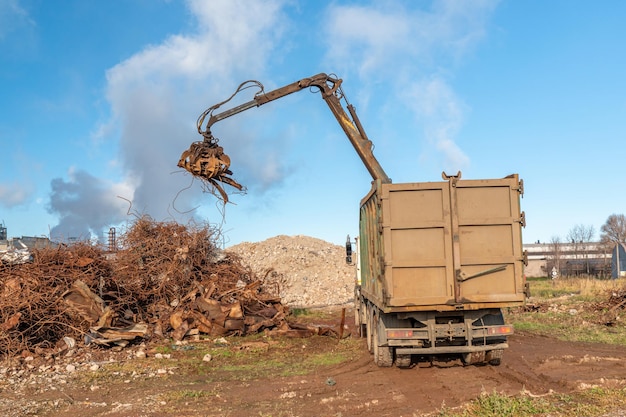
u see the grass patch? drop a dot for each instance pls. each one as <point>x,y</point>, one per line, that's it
<point>252,357</point>
<point>571,309</point>
<point>188,394</point>
<point>312,314</point>
<point>588,288</point>
<point>588,403</point>
<point>578,327</point>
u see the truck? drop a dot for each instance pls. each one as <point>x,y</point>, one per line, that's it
<point>437,263</point>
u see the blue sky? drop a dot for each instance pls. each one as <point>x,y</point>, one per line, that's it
<point>99,99</point>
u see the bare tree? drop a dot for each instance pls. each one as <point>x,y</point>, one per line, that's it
<point>580,235</point>
<point>614,230</point>
<point>555,247</point>
<point>606,248</point>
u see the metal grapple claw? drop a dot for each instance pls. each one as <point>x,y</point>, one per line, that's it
<point>207,161</point>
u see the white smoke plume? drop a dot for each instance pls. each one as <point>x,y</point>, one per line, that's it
<point>155,97</point>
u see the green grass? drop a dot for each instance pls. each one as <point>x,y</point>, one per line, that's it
<point>582,327</point>
<point>188,394</point>
<point>593,402</point>
<point>312,314</point>
<point>242,359</point>
<point>254,357</point>
<point>545,288</point>
<point>135,369</point>
<point>572,310</point>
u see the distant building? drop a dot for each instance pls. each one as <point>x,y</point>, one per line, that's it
<point>32,242</point>
<point>4,243</point>
<point>568,259</point>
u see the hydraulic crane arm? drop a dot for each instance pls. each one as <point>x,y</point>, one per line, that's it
<point>207,160</point>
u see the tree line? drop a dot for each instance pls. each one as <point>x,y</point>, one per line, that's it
<point>580,255</point>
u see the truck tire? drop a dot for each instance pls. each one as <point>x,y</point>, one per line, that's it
<point>368,329</point>
<point>494,357</point>
<point>360,319</point>
<point>362,329</point>
<point>383,355</point>
<point>473,358</point>
<point>403,361</point>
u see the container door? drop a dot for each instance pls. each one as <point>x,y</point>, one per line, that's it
<point>487,240</point>
<point>417,243</point>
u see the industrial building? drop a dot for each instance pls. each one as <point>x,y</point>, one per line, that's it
<point>573,259</point>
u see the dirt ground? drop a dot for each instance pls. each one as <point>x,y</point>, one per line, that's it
<point>536,365</point>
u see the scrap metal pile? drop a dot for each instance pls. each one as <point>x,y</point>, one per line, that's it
<point>167,280</point>
<point>611,312</point>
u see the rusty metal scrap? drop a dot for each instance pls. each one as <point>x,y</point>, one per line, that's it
<point>120,336</point>
<point>85,303</point>
<point>31,296</point>
<point>610,312</point>
<point>167,280</point>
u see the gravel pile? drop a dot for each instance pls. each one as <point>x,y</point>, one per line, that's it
<point>307,272</point>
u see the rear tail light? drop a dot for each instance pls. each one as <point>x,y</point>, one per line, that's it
<point>499,330</point>
<point>399,334</point>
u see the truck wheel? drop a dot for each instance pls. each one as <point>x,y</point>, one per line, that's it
<point>362,329</point>
<point>361,324</point>
<point>403,361</point>
<point>473,358</point>
<point>494,357</point>
<point>368,328</point>
<point>383,355</point>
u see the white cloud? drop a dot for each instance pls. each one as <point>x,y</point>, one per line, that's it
<point>369,38</point>
<point>157,94</point>
<point>13,17</point>
<point>412,51</point>
<point>393,36</point>
<point>14,194</point>
<point>232,37</point>
<point>441,114</point>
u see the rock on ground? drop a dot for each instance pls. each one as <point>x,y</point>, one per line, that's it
<point>307,272</point>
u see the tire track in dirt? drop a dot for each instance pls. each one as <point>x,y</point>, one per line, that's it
<point>533,365</point>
